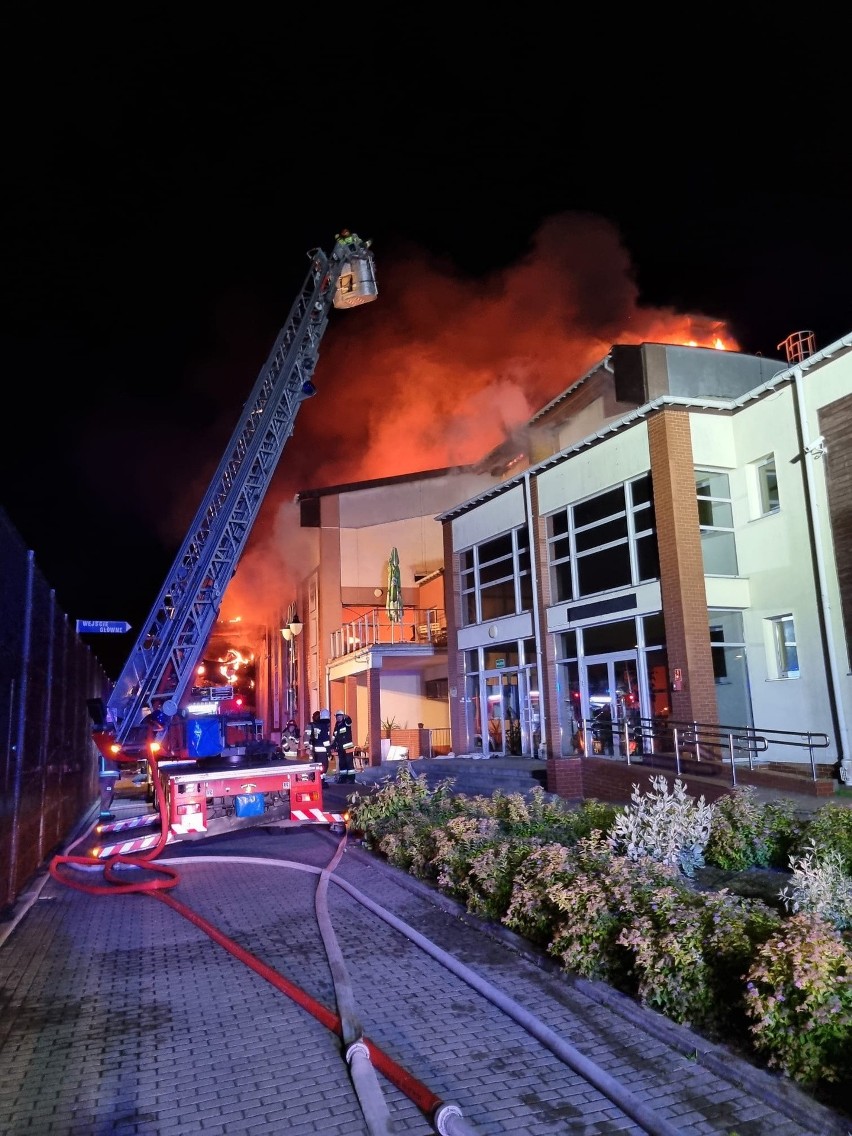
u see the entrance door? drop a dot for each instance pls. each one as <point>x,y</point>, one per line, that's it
<point>505,735</point>
<point>612,704</point>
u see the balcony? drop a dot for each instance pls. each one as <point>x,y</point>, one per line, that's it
<point>419,628</point>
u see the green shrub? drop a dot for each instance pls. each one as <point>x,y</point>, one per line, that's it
<point>396,802</point>
<point>670,827</point>
<point>541,878</point>
<point>690,950</point>
<point>830,829</point>
<point>747,834</point>
<point>603,896</point>
<point>799,1001</point>
<point>818,885</point>
<point>608,898</point>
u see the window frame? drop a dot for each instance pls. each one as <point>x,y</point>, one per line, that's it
<point>714,530</point>
<point>766,506</point>
<point>784,646</point>
<point>478,560</point>
<point>627,527</point>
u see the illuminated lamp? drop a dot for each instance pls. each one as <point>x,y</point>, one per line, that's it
<point>308,389</point>
<point>296,624</point>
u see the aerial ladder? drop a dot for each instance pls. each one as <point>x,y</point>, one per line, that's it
<point>173,637</point>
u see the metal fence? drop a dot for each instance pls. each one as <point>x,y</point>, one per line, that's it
<point>643,738</point>
<point>49,775</point>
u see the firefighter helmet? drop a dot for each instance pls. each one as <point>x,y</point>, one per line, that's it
<point>325,716</point>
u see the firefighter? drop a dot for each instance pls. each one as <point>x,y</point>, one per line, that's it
<point>155,721</point>
<point>351,240</point>
<point>343,745</point>
<point>319,738</point>
<point>290,740</point>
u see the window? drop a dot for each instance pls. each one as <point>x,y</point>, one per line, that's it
<point>786,652</point>
<point>607,541</point>
<point>495,577</point>
<point>716,520</point>
<point>767,485</point>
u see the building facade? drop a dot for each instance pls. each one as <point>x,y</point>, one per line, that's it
<point>680,555</point>
<point>665,541</point>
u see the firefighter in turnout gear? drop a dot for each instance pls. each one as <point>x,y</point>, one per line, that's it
<point>343,745</point>
<point>319,738</point>
<point>290,739</point>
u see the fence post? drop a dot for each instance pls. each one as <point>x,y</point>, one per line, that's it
<point>811,755</point>
<point>677,749</point>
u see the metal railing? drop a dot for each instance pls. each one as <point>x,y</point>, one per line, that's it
<point>695,740</point>
<point>417,626</point>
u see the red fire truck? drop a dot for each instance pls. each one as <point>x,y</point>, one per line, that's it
<point>211,770</point>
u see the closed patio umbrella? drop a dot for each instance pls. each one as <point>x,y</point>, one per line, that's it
<point>394,600</point>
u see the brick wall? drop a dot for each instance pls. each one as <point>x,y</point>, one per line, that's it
<point>602,779</point>
<point>681,566</point>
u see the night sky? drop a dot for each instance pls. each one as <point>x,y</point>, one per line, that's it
<point>533,194</point>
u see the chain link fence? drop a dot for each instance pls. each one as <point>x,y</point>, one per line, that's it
<point>50,763</point>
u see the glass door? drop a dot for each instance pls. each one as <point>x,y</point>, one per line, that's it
<point>504,733</point>
<point>612,704</point>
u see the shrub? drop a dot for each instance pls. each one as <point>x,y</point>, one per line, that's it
<point>830,829</point>
<point>746,834</point>
<point>669,827</point>
<point>393,805</point>
<point>799,1000</point>
<point>819,886</point>
<point>603,894</point>
<point>532,911</point>
<point>690,950</point>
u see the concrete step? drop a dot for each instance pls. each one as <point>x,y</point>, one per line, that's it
<point>470,776</point>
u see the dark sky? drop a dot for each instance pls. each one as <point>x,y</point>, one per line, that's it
<point>534,194</point>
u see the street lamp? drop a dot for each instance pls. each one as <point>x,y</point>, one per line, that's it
<point>291,629</point>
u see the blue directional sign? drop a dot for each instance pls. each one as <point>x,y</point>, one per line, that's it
<point>101,627</point>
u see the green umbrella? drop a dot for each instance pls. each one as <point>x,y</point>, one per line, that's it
<point>394,600</point>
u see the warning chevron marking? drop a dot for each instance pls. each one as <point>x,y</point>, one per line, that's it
<point>317,816</point>
<point>128,847</point>
<point>130,822</point>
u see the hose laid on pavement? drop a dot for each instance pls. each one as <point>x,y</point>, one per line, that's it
<point>369,1091</point>
<point>419,1094</point>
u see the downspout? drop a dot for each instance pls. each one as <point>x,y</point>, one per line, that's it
<point>809,452</point>
<point>542,743</point>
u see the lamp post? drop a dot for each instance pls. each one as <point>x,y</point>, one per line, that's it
<point>290,632</point>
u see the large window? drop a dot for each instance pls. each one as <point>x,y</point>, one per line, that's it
<point>495,577</point>
<point>727,646</point>
<point>607,541</point>
<point>716,520</point>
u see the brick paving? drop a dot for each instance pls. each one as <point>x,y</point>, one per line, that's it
<point>123,1018</point>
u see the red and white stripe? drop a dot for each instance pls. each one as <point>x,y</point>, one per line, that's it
<point>128,847</point>
<point>130,822</point>
<point>316,816</point>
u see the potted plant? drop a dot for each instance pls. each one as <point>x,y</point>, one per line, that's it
<point>389,724</point>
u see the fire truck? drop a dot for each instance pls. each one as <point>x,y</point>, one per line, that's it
<point>206,767</point>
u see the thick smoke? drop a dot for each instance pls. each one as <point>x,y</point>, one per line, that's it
<point>440,368</point>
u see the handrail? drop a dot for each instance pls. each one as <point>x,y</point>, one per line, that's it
<point>416,626</point>
<point>643,733</point>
